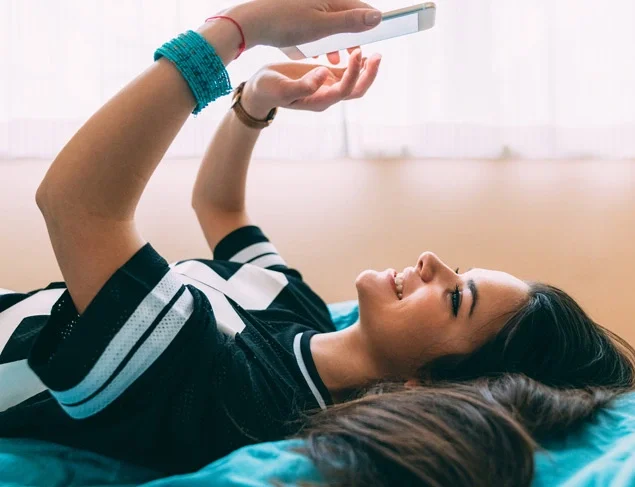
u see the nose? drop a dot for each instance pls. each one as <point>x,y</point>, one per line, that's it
<point>429,265</point>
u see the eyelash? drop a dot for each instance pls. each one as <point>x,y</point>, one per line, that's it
<point>456,295</point>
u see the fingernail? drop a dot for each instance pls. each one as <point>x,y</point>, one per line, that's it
<point>372,18</point>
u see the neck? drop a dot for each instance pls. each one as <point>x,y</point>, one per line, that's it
<point>343,361</point>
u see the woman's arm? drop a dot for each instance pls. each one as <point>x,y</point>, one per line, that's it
<point>218,198</point>
<point>219,193</point>
<point>90,193</point>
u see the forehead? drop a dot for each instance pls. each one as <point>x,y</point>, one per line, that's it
<point>498,292</point>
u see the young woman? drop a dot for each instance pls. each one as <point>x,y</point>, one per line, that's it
<point>174,366</point>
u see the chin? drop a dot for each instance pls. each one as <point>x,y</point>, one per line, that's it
<point>365,279</point>
<point>371,289</point>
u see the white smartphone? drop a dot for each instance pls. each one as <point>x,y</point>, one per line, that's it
<point>395,23</point>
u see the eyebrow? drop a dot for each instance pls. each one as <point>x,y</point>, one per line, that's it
<point>472,285</point>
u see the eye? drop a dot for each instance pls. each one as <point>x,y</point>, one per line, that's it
<point>456,301</point>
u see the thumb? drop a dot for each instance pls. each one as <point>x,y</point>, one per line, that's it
<point>355,20</point>
<point>307,85</point>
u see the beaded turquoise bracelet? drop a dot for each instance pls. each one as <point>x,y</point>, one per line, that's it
<point>199,64</point>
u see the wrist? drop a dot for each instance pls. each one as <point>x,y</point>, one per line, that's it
<point>251,24</point>
<point>223,37</point>
<point>253,104</point>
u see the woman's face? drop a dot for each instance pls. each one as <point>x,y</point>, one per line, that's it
<point>430,319</point>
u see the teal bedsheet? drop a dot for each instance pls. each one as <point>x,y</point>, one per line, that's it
<point>601,453</point>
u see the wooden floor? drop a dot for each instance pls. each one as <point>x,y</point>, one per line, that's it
<point>571,224</point>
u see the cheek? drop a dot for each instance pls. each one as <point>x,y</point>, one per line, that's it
<point>402,331</point>
<point>404,334</point>
<point>422,313</point>
<point>425,328</point>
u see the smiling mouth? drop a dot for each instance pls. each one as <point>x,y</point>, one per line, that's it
<point>398,278</point>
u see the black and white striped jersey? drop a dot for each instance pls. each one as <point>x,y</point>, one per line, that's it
<point>170,366</point>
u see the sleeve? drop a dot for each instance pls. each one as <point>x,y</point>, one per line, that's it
<point>143,323</point>
<point>249,245</point>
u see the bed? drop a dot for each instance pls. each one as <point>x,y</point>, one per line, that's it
<point>602,453</point>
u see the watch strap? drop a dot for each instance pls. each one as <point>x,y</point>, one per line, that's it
<point>244,117</point>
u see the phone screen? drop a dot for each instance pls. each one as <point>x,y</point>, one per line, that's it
<point>391,27</point>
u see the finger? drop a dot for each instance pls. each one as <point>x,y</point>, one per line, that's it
<point>352,49</point>
<point>347,84</point>
<point>328,96</point>
<point>355,20</point>
<point>367,78</point>
<point>297,70</point>
<point>333,57</point>
<point>340,91</point>
<point>305,86</point>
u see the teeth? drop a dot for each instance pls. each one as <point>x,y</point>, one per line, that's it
<point>399,285</point>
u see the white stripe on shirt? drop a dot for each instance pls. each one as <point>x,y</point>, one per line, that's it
<point>144,357</point>
<point>297,350</point>
<point>125,339</point>
<point>18,383</point>
<point>39,303</point>
<point>253,251</point>
<point>250,286</point>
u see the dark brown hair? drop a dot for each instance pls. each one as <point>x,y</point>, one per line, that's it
<point>475,433</point>
<point>551,339</point>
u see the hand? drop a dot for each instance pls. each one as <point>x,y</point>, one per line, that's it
<point>308,87</point>
<point>284,23</point>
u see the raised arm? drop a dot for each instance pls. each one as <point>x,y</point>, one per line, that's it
<point>89,195</point>
<point>219,193</point>
<point>218,197</point>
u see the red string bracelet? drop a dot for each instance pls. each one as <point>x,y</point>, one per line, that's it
<point>242,46</point>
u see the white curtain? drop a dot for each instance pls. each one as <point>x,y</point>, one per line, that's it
<point>493,79</point>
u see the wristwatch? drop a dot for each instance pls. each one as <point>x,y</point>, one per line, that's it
<point>244,117</point>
